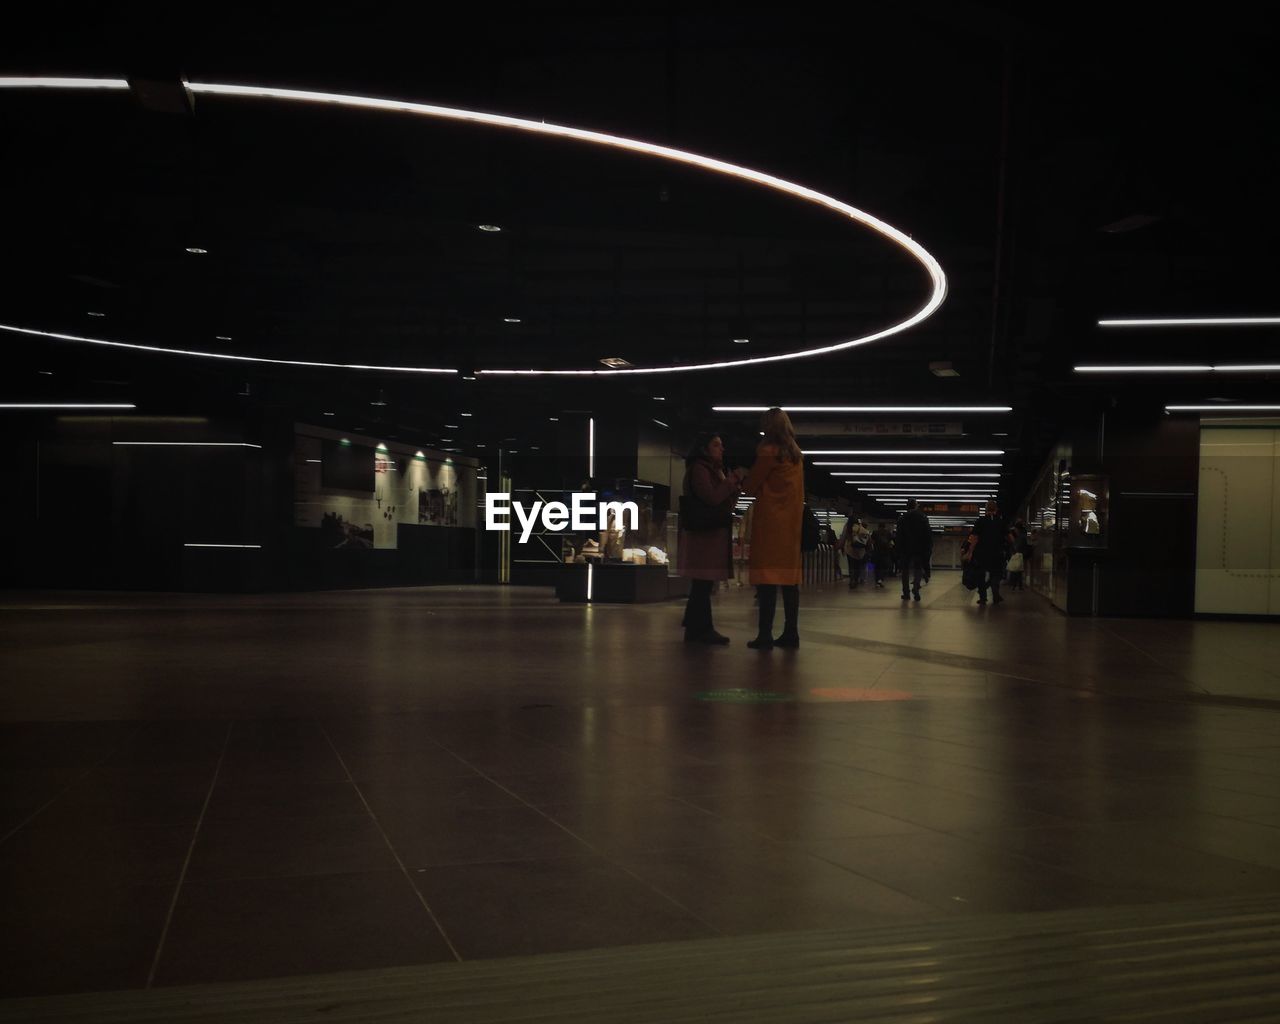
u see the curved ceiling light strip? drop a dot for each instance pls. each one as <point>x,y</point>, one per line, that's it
<point>219,355</point>
<point>931,265</point>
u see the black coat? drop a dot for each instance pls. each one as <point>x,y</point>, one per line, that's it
<point>993,539</point>
<point>915,536</point>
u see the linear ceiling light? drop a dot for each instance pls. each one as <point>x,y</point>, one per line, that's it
<point>1222,408</point>
<point>254,546</point>
<point>218,355</point>
<point>863,474</point>
<point>904,241</point>
<point>1184,368</point>
<point>913,465</point>
<point>67,405</point>
<point>1211,321</point>
<point>865,408</point>
<point>189,444</point>
<point>908,451</point>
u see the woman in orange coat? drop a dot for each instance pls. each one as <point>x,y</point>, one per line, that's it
<point>777,481</point>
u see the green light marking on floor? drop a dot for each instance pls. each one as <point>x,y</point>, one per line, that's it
<point>743,696</point>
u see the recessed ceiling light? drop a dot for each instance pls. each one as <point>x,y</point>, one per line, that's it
<point>554,419</point>
<point>511,320</point>
<point>452,426</point>
<point>659,398</point>
<point>489,228</point>
<point>661,424</point>
<point>93,313</point>
<point>615,362</point>
<point>196,250</point>
<point>468,378</point>
<point>330,414</point>
<point>45,373</point>
<point>464,414</point>
<point>535,448</point>
<point>742,341</point>
<point>446,439</point>
<point>222,337</point>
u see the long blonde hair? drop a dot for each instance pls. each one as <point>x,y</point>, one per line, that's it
<point>778,431</point>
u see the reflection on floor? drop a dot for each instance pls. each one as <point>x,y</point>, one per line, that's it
<point>203,789</point>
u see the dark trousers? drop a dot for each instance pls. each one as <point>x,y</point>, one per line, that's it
<point>990,578</point>
<point>912,573</point>
<point>697,610</point>
<point>768,605</point>
<point>1015,581</point>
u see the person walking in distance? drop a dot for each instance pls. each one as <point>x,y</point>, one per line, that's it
<point>705,555</point>
<point>882,546</point>
<point>777,482</point>
<point>856,539</point>
<point>988,551</point>
<point>915,548</point>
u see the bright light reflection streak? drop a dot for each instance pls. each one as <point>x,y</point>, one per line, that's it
<point>863,474</point>
<point>588,581</point>
<point>67,405</point>
<point>219,355</point>
<point>63,83</point>
<point>591,447</point>
<point>222,546</point>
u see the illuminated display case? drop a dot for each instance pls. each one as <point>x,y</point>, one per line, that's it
<point>1088,512</point>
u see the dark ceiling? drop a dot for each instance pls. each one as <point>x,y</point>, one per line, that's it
<point>1007,147</point>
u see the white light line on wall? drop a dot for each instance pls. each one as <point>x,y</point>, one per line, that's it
<point>865,408</point>
<point>591,447</point>
<point>908,451</point>
<point>67,405</point>
<point>588,581</point>
<point>189,444</point>
<point>218,355</point>
<point>1212,321</point>
<point>1222,408</point>
<point>222,545</point>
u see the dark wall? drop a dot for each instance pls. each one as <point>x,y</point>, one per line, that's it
<point>1148,568</point>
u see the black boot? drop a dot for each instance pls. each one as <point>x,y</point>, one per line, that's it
<point>764,632</point>
<point>791,614</point>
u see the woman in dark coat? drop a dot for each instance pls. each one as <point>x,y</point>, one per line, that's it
<point>706,556</point>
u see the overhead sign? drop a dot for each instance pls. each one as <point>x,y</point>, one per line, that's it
<point>951,508</point>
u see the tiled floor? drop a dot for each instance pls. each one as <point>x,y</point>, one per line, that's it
<point>206,789</point>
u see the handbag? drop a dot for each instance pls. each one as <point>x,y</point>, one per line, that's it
<point>808,530</point>
<point>1016,562</point>
<point>972,576</point>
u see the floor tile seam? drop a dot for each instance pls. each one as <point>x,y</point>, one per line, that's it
<point>603,854</point>
<point>404,871</point>
<point>69,786</point>
<point>1059,869</point>
<point>610,730</point>
<point>876,881</point>
<point>186,863</point>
